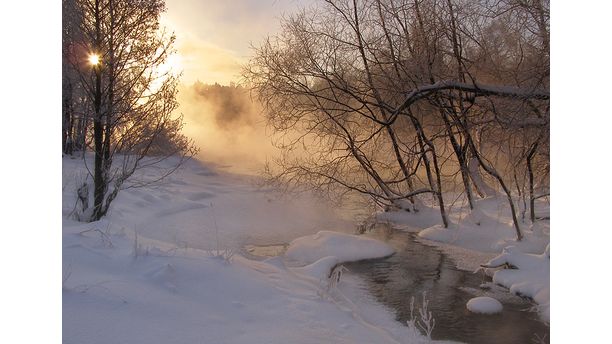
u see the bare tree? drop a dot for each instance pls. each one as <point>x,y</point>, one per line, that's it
<point>131,99</point>
<point>372,96</point>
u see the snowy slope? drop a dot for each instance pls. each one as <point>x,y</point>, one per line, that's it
<point>211,205</point>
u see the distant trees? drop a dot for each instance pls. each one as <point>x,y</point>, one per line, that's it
<point>229,104</point>
<point>74,105</point>
<point>397,99</point>
<point>125,99</point>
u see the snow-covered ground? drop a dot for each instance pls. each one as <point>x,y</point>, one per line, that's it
<point>167,263</point>
<point>165,267</point>
<point>204,207</point>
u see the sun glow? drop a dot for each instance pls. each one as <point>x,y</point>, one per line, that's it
<point>172,65</point>
<point>94,59</point>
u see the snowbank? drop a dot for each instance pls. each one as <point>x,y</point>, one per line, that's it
<point>488,228</point>
<point>320,269</point>
<point>530,276</point>
<point>425,217</point>
<point>484,305</point>
<point>345,247</point>
<point>481,231</point>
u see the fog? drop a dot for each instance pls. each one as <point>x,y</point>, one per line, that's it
<point>227,126</point>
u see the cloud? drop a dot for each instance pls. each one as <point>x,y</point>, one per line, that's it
<point>204,61</point>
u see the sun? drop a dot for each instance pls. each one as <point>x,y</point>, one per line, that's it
<point>94,59</point>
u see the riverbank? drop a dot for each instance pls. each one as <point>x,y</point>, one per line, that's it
<point>482,236</point>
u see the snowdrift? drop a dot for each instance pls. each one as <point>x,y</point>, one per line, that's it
<point>345,247</point>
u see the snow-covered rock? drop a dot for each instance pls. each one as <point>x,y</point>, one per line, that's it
<point>484,305</point>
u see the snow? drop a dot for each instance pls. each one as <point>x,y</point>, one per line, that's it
<point>320,269</point>
<point>165,266</point>
<point>529,277</point>
<point>345,247</point>
<point>211,204</point>
<point>191,297</point>
<point>410,221</point>
<point>488,228</point>
<point>484,305</point>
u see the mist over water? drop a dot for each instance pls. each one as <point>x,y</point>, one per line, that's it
<point>227,125</point>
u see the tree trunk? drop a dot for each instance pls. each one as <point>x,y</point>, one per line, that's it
<point>483,189</point>
<point>460,154</point>
<point>67,124</point>
<point>437,185</point>
<point>99,173</point>
<point>490,170</point>
<point>531,181</point>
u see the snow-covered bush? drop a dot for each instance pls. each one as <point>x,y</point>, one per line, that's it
<point>226,254</point>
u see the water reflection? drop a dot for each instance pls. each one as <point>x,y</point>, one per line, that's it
<point>416,268</point>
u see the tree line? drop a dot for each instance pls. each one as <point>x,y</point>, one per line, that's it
<point>404,101</point>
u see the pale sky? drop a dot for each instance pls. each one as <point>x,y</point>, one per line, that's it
<point>214,36</point>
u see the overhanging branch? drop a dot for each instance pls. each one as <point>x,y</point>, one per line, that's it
<point>475,88</point>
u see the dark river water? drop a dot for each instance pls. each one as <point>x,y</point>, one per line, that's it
<point>416,268</point>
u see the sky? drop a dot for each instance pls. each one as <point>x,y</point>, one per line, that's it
<point>214,37</point>
<point>213,40</point>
